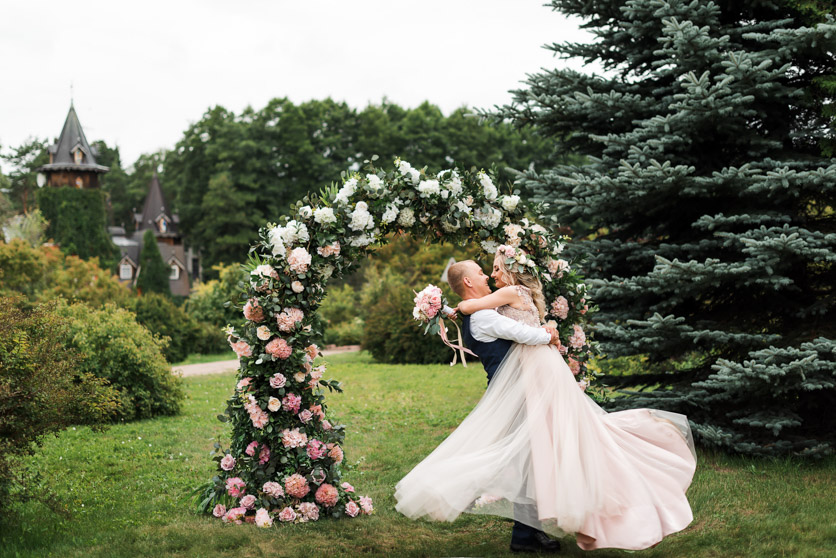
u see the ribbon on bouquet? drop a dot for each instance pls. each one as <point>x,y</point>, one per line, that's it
<point>442,332</point>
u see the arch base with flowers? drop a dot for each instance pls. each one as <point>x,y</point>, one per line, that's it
<point>283,462</point>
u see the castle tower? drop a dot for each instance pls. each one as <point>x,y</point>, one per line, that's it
<point>72,162</point>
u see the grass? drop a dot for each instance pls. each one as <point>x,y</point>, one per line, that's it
<point>202,359</point>
<point>126,487</point>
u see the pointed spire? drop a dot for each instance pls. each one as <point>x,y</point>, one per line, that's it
<point>156,214</point>
<point>71,151</point>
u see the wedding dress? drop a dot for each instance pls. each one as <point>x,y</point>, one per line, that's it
<point>536,442</point>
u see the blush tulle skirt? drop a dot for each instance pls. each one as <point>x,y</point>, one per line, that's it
<point>539,450</point>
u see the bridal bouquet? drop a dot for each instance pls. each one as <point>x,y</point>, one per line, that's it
<point>428,305</point>
<point>430,308</point>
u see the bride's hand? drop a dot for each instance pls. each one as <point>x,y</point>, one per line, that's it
<point>454,313</point>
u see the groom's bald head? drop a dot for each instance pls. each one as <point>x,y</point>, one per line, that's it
<point>457,272</point>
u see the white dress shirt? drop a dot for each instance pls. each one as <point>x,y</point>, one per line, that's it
<point>490,325</point>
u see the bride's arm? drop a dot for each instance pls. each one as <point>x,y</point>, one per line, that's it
<point>501,297</point>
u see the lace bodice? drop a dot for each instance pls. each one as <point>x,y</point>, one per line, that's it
<point>530,316</point>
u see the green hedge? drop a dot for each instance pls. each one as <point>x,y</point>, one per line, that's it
<point>112,345</point>
<point>78,222</point>
<point>42,391</point>
<point>184,334</point>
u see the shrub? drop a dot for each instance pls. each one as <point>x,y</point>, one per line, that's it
<point>112,345</point>
<point>163,318</point>
<point>77,280</point>
<point>342,316</point>
<point>44,273</point>
<point>210,340</point>
<point>207,301</point>
<point>22,267</point>
<point>42,390</point>
<point>391,333</point>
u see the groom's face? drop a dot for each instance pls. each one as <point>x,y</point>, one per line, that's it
<point>478,280</point>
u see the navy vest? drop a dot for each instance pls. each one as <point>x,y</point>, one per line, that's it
<point>491,353</point>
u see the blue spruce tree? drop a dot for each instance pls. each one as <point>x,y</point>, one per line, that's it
<point>711,205</point>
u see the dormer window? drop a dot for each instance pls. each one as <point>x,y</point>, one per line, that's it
<point>163,224</point>
<point>78,156</point>
<point>126,272</point>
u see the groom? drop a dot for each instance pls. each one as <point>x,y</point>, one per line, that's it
<point>491,335</point>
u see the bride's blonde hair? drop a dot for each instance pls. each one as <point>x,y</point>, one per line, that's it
<point>519,275</point>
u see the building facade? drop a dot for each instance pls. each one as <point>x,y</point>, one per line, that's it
<point>156,216</point>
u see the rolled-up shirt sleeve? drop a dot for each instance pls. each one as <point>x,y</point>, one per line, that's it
<point>490,325</point>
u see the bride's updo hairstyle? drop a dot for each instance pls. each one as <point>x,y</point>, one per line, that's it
<point>515,271</point>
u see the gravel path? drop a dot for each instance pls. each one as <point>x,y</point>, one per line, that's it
<point>222,366</point>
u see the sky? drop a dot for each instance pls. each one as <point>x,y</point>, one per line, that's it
<point>139,73</point>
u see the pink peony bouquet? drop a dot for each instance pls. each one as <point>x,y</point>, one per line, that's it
<point>429,305</point>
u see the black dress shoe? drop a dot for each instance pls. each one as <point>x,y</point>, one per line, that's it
<point>540,542</point>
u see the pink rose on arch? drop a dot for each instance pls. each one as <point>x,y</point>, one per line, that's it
<point>299,259</point>
<point>235,515</point>
<point>336,454</point>
<point>242,349</point>
<point>260,419</point>
<point>326,425</point>
<point>253,311</point>
<point>262,518</point>
<point>244,382</point>
<point>347,487</point>
<point>251,448</point>
<point>574,366</point>
<point>317,411</point>
<point>305,416</point>
<point>227,463</point>
<point>294,438</point>
<point>332,249</point>
<point>327,495</point>
<point>291,403</point>
<point>287,514</point>
<point>316,373</point>
<point>578,337</point>
<point>288,318</point>
<point>279,348</point>
<point>273,489</point>
<point>277,380</point>
<point>235,487</point>
<point>309,511</point>
<point>352,509</point>
<point>316,449</point>
<point>296,486</point>
<point>219,511</point>
<point>319,476</point>
<point>312,351</point>
<point>366,505</point>
<point>264,455</point>
<point>248,501</point>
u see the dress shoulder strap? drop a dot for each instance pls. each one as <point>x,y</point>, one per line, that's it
<point>524,294</point>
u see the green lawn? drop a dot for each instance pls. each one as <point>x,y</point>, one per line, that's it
<point>126,487</point>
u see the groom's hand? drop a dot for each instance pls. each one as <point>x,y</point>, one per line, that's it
<point>555,338</point>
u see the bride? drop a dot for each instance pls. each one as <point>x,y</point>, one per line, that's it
<point>537,449</point>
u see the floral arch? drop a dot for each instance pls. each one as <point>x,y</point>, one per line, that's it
<point>284,459</point>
